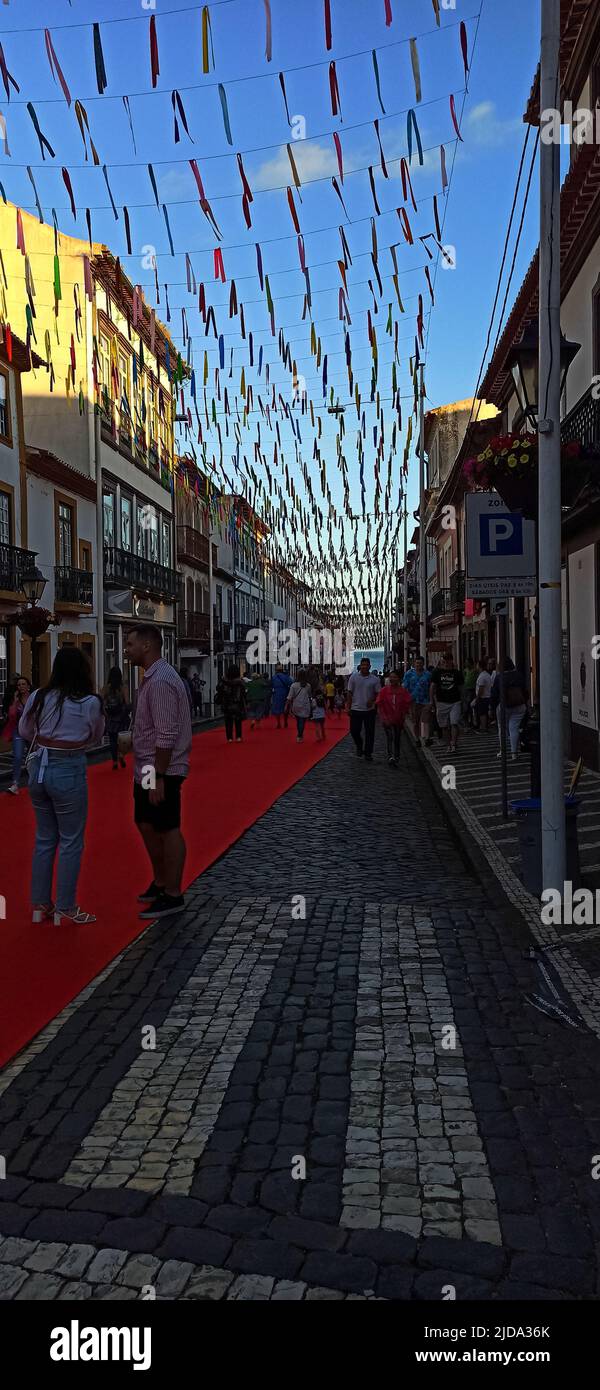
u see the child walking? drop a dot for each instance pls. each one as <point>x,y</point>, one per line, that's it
<point>318,715</point>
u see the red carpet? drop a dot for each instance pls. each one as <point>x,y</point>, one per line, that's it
<point>42,968</point>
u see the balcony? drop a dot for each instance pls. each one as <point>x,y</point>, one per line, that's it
<point>583,422</point>
<point>136,572</point>
<point>440,603</point>
<point>193,627</point>
<point>73,587</point>
<point>192,547</point>
<point>14,564</point>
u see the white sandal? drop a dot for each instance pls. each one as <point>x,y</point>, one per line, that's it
<point>77,916</point>
<point>41,912</point>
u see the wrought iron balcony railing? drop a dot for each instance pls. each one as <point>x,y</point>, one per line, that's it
<point>440,603</point>
<point>583,422</point>
<point>193,627</point>
<point>192,546</point>
<point>73,586</point>
<point>14,564</point>
<point>136,572</point>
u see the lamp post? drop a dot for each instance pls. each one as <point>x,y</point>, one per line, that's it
<point>34,621</point>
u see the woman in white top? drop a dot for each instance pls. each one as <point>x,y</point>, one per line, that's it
<point>300,702</point>
<point>60,720</point>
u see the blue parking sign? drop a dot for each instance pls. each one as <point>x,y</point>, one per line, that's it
<point>501,533</point>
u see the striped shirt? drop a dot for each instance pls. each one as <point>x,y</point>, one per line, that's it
<point>162,720</point>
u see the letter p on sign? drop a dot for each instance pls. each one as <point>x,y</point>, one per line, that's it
<point>501,534</point>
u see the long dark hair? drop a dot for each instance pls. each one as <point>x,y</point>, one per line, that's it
<point>71,677</point>
<point>115,678</point>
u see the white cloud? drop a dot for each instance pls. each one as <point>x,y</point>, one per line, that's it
<point>483,126</point>
<point>176,184</point>
<point>313,161</point>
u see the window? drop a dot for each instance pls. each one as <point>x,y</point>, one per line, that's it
<point>4,518</point>
<point>189,595</point>
<point>104,362</point>
<point>140,515</point>
<point>219,603</point>
<point>85,556</point>
<point>151,533</point>
<point>166,542</point>
<point>3,659</point>
<point>65,534</point>
<point>126,510</point>
<point>229,606</point>
<point>4,408</point>
<point>108,509</point>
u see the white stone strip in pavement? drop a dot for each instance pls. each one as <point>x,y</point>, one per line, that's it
<point>40,1270</point>
<point>581,987</point>
<point>414,1158</point>
<point>162,1114</point>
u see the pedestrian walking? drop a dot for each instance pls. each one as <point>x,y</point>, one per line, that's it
<point>329,692</point>
<point>162,741</point>
<point>300,702</point>
<point>417,682</point>
<point>446,685</point>
<point>318,714</point>
<point>515,700</point>
<point>188,688</point>
<point>363,688</point>
<point>60,720</point>
<point>231,696</point>
<point>393,703</point>
<point>16,705</point>
<point>468,692</point>
<point>483,690</point>
<point>197,688</point>
<point>255,695</point>
<point>281,684</point>
<point>117,714</point>
<point>339,700</point>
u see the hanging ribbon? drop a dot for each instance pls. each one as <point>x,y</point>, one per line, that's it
<point>112,201</point>
<point>84,127</point>
<point>177,105</point>
<point>406,228</point>
<point>292,208</point>
<point>218,264</point>
<point>436,11</point>
<point>152,177</point>
<point>44,143</point>
<point>88,218</point>
<point>87,279</point>
<point>69,188</point>
<point>373,193</point>
<point>406,183</point>
<point>154,62</point>
<point>207,41</point>
<point>336,188</point>
<point>38,204</point>
<point>4,134</point>
<point>225,110</point>
<point>411,124</point>
<point>20,234</point>
<point>334,92</point>
<point>377,81</point>
<point>464,45</point>
<point>295,174</point>
<point>127,230</point>
<point>54,63</point>
<point>381,154</point>
<point>443,168</point>
<point>416,67</point>
<point>204,204</point>
<point>268,31</point>
<point>99,61</point>
<point>453,115</point>
<point>128,110</point>
<point>259,266</point>
<point>284,93</point>
<point>388,12</point>
<point>7,76</point>
<point>327,24</point>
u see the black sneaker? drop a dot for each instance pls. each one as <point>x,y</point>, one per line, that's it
<point>163,906</point>
<point>153,891</point>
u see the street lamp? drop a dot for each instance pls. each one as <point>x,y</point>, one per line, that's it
<point>523,361</point>
<point>33,585</point>
<point>34,621</point>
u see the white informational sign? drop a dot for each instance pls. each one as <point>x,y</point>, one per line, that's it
<point>582,612</point>
<point>500,561</point>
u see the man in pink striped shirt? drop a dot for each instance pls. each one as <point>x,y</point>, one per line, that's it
<point>162,740</point>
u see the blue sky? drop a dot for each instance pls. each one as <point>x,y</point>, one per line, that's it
<point>477,207</point>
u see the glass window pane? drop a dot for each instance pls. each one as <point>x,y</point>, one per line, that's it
<point>3,407</point>
<point>108,503</point>
<point>4,518</point>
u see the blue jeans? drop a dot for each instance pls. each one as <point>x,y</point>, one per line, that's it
<point>300,722</point>
<point>60,805</point>
<point>18,749</point>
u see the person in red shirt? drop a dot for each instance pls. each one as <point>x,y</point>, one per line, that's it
<point>393,703</point>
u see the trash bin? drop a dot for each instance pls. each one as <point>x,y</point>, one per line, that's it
<point>528,815</point>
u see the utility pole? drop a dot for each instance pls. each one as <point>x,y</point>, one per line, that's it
<point>549,479</point>
<point>422,538</point>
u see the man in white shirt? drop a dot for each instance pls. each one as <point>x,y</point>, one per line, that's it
<point>363,689</point>
<point>483,690</point>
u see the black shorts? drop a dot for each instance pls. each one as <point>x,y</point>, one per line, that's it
<point>165,816</point>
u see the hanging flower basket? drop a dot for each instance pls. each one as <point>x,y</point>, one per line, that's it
<point>509,465</point>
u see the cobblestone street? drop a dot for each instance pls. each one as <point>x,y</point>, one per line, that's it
<point>349,1095</point>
